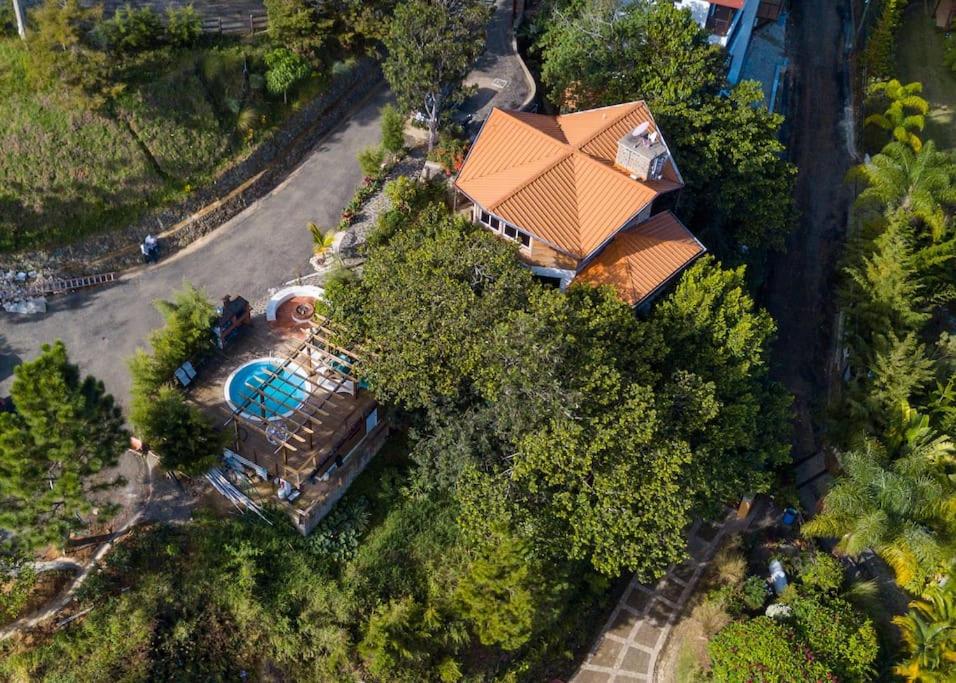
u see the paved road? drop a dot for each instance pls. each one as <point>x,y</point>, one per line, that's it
<point>800,291</point>
<point>263,247</point>
<point>499,74</point>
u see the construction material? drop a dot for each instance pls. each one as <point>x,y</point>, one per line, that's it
<point>47,287</point>
<point>229,490</point>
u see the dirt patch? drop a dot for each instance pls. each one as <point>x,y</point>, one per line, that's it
<point>800,290</point>
<point>48,585</point>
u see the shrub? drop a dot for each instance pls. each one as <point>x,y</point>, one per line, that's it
<point>449,152</point>
<point>183,26</point>
<point>8,20</point>
<point>753,592</point>
<point>880,46</point>
<point>371,159</point>
<point>824,573</point>
<point>337,536</point>
<point>16,593</point>
<point>761,650</point>
<point>184,437</point>
<point>712,615</point>
<point>730,565</point>
<point>132,30</point>
<point>286,68</point>
<point>393,129</point>
<point>838,634</point>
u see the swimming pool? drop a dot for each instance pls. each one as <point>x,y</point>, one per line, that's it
<point>277,399</point>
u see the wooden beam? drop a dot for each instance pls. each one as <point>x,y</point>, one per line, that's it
<point>269,377</point>
<point>285,403</point>
<point>336,361</point>
<point>252,425</point>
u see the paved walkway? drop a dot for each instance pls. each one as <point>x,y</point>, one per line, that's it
<point>637,630</point>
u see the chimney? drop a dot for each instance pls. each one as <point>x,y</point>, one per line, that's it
<point>225,301</point>
<point>641,155</point>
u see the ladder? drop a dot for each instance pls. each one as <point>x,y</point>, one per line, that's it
<point>45,287</point>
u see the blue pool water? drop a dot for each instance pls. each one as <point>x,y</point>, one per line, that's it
<point>282,394</point>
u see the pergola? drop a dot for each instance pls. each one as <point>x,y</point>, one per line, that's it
<point>329,395</point>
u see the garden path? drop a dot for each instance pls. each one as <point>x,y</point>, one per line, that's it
<point>635,634</point>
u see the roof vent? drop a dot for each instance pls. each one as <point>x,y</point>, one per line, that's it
<point>641,154</point>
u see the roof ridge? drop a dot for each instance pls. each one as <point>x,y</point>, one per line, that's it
<point>627,112</point>
<point>511,114</point>
<point>521,186</point>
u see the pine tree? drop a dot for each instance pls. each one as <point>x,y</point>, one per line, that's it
<point>64,430</point>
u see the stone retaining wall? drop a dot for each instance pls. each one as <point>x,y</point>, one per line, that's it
<point>213,204</point>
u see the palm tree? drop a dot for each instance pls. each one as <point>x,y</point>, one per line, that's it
<point>922,183</point>
<point>902,508</point>
<point>321,242</point>
<point>905,113</point>
<point>929,633</point>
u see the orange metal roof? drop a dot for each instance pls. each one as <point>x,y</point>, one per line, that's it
<point>641,259</point>
<point>554,176</point>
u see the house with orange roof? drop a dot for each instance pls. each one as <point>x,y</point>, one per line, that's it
<point>586,196</point>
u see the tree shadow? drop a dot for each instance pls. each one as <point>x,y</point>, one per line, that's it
<point>8,359</point>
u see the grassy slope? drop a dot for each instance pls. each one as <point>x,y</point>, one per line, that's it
<point>67,172</point>
<point>63,168</point>
<point>920,48</point>
<point>173,117</point>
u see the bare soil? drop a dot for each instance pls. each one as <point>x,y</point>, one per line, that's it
<point>800,290</point>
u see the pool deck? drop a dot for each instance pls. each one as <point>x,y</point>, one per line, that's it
<point>338,444</point>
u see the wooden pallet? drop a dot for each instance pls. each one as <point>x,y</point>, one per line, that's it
<point>47,287</point>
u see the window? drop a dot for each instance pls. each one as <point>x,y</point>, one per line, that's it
<point>522,238</point>
<point>657,167</point>
<point>510,231</point>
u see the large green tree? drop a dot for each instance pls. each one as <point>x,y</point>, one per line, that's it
<point>425,304</point>
<point>303,27</point>
<point>929,635</point>
<point>559,415</point>
<point>181,434</point>
<point>64,430</point>
<point>597,52</point>
<point>733,415</point>
<point>922,183</point>
<point>62,48</point>
<point>430,47</point>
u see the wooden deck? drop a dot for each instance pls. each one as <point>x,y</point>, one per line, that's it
<point>338,433</point>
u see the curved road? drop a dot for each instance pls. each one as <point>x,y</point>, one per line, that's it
<point>262,247</point>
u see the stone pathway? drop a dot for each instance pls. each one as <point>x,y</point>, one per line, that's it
<point>637,629</point>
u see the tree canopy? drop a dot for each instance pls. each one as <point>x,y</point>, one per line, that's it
<point>560,417</point>
<point>64,430</point>
<point>430,47</point>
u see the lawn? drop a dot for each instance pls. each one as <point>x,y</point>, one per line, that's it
<point>920,49</point>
